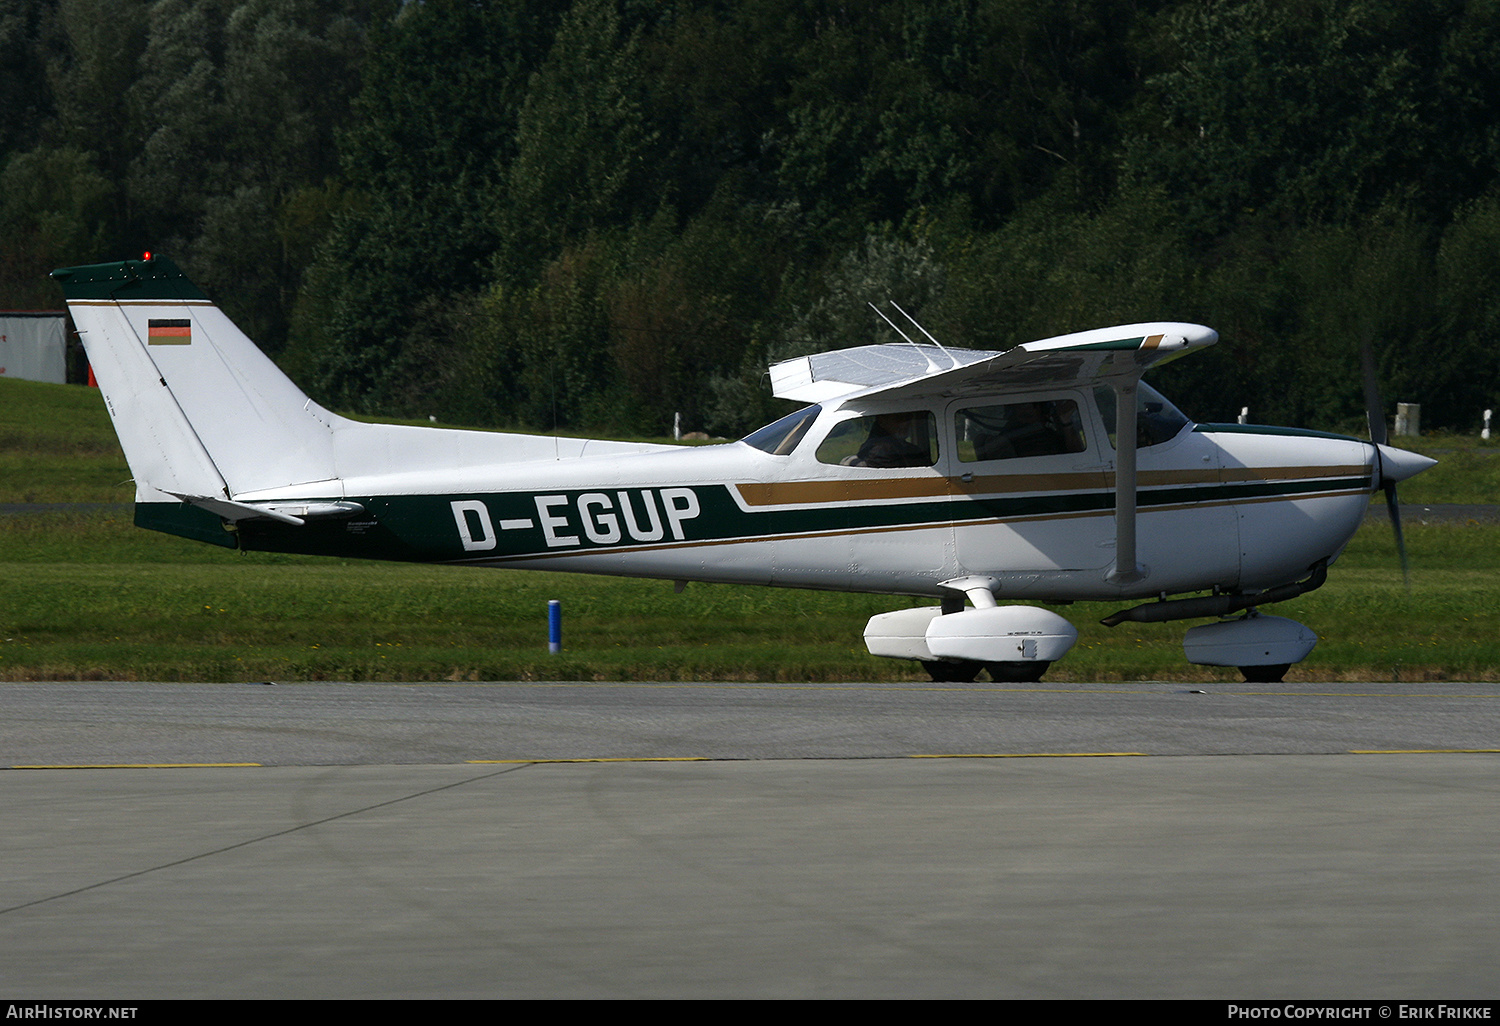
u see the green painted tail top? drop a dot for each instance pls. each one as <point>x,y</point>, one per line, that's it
<point>157,278</point>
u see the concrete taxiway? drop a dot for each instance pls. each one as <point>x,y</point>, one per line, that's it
<point>749,840</point>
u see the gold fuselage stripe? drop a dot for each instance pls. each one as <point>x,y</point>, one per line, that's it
<point>802,493</point>
<point>1025,518</point>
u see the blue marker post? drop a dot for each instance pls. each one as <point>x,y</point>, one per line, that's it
<point>554,626</point>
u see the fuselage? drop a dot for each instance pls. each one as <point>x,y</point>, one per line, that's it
<point>1220,507</point>
<point>917,466</point>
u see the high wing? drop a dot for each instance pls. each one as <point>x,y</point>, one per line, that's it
<point>1115,356</point>
<point>898,371</point>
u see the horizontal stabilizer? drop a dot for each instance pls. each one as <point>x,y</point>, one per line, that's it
<point>295,513</point>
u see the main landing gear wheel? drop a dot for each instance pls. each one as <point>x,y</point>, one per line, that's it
<point>944,671</point>
<point>1017,673</point>
<point>1265,674</point>
<point>947,671</point>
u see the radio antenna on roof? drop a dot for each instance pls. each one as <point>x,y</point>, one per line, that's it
<point>924,331</point>
<point>932,368</point>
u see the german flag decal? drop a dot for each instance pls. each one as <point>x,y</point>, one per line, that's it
<point>169,332</point>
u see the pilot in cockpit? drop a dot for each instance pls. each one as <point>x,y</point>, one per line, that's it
<point>890,444</point>
<point>1044,428</point>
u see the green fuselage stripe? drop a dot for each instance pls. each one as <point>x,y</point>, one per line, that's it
<point>521,524</point>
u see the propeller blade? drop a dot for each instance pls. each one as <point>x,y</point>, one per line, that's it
<point>1393,507</point>
<point>1375,413</point>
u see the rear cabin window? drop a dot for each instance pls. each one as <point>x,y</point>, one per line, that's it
<point>901,439</point>
<point>1049,427</point>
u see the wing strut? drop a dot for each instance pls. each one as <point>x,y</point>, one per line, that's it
<point>1128,372</point>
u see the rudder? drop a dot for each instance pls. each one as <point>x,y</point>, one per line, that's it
<point>200,410</point>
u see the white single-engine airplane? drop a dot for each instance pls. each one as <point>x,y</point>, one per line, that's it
<point>1047,473</point>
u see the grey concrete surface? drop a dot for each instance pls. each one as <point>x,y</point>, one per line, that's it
<point>323,723</point>
<point>808,856</point>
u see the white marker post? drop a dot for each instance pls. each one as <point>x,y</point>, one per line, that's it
<point>1408,418</point>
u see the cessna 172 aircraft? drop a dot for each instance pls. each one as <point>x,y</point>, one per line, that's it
<point>1048,473</point>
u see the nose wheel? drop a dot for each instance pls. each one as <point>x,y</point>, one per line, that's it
<point>1263,648</point>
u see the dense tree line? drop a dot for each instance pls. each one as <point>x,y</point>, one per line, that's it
<point>596,215</point>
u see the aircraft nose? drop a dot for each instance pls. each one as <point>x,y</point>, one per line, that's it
<point>1398,464</point>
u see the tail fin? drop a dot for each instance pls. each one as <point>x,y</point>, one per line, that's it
<point>206,418</point>
<point>201,412</point>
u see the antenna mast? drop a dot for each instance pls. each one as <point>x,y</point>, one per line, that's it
<point>932,368</point>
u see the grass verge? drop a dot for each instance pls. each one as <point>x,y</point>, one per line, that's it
<point>90,597</point>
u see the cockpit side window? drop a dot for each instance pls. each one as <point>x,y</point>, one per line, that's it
<point>904,438</point>
<point>1048,427</point>
<point>1156,419</point>
<point>781,437</point>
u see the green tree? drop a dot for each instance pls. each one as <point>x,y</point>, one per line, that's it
<point>54,206</point>
<point>25,100</point>
<point>290,71</point>
<point>1298,112</point>
<point>433,129</point>
<point>583,144</point>
<point>94,59</point>
<point>1456,375</point>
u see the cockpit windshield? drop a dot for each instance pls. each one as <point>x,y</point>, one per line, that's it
<point>781,437</point>
<point>1156,419</point>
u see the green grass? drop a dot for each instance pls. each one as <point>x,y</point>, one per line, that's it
<point>87,596</point>
<point>56,445</point>
<point>1468,470</point>
<point>85,601</point>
